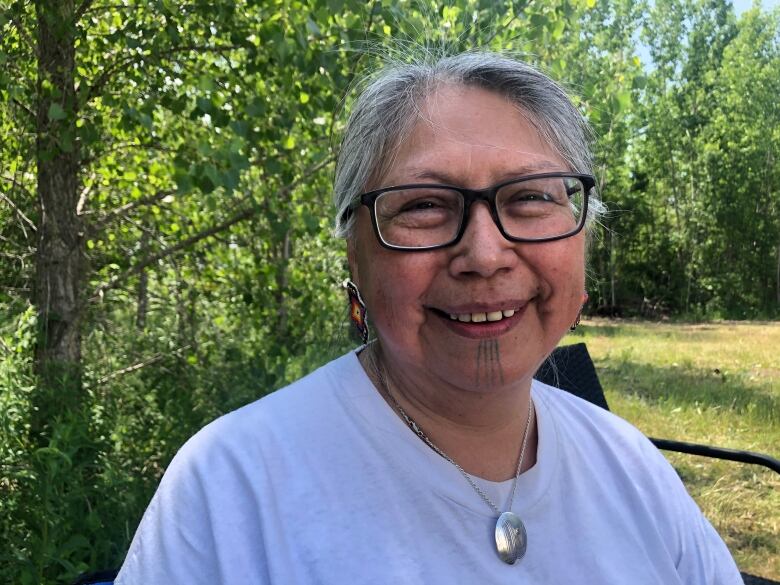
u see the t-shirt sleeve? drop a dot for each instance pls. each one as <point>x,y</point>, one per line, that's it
<point>174,542</point>
<point>703,558</point>
<point>194,530</point>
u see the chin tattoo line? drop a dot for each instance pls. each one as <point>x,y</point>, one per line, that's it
<point>489,371</point>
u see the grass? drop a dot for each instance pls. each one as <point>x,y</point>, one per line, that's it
<point>717,384</point>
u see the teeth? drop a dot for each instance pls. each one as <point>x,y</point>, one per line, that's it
<point>482,317</point>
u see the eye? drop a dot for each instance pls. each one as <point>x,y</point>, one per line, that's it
<point>418,208</point>
<point>424,204</point>
<point>418,201</point>
<point>530,196</point>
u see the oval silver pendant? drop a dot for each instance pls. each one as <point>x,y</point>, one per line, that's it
<point>511,538</point>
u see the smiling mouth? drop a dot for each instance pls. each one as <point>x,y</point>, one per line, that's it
<point>493,316</point>
<point>478,317</point>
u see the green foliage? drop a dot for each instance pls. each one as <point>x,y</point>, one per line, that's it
<point>696,221</point>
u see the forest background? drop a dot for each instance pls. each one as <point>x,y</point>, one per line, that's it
<point>165,215</point>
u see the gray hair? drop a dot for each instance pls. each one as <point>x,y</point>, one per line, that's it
<point>388,108</point>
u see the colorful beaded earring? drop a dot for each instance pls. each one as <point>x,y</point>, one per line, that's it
<point>357,310</point>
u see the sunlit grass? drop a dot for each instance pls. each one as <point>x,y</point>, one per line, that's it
<point>716,384</point>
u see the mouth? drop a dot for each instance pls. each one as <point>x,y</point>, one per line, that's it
<point>483,322</point>
<point>482,317</point>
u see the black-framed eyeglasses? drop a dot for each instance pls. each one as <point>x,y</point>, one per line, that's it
<point>534,208</point>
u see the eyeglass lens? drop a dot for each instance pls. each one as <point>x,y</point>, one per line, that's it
<point>533,209</point>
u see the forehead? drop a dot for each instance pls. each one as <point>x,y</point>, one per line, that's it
<point>471,137</point>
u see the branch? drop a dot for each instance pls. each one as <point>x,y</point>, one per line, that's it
<point>83,7</point>
<point>17,184</point>
<point>19,212</point>
<point>149,361</point>
<point>104,77</point>
<point>120,278</point>
<point>353,66</point>
<point>122,146</point>
<point>23,34</point>
<point>123,209</point>
<point>103,7</point>
<point>242,215</point>
<point>24,108</point>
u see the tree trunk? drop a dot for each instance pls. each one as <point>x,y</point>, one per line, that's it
<point>283,258</point>
<point>142,291</point>
<point>59,256</point>
<point>777,280</point>
<point>612,295</point>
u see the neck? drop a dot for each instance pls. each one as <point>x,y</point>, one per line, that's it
<point>479,428</point>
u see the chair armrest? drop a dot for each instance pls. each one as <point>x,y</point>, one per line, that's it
<point>718,453</point>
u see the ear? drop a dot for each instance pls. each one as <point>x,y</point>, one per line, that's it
<point>353,261</point>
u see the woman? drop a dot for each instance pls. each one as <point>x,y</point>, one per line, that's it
<point>430,455</point>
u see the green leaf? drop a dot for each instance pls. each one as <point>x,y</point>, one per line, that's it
<point>56,112</point>
<point>257,107</point>
<point>312,223</point>
<point>312,27</point>
<point>205,83</point>
<point>213,174</point>
<point>289,143</point>
<point>624,99</point>
<point>66,141</point>
<point>560,26</point>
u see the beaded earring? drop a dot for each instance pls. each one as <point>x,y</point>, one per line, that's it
<point>357,310</point>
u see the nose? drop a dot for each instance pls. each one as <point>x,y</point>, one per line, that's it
<point>483,250</point>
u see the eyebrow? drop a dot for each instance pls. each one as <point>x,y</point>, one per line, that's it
<point>443,176</point>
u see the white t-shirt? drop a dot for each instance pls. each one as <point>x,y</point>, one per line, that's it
<point>322,483</point>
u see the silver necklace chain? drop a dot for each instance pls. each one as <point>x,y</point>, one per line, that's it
<point>419,432</point>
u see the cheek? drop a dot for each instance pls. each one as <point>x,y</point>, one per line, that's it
<point>561,270</point>
<point>384,299</point>
<point>393,284</point>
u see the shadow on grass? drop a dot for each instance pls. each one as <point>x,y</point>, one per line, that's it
<point>680,386</point>
<point>622,329</point>
<point>609,329</point>
<point>642,327</point>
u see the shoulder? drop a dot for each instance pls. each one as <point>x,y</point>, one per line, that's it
<point>208,512</point>
<point>577,418</point>
<point>615,458</point>
<point>275,421</point>
<point>622,469</point>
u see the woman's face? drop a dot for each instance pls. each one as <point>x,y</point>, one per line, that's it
<point>470,138</point>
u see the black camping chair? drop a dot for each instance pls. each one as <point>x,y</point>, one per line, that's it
<point>97,578</point>
<point>571,368</point>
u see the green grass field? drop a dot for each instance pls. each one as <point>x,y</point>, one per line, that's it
<point>715,383</point>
